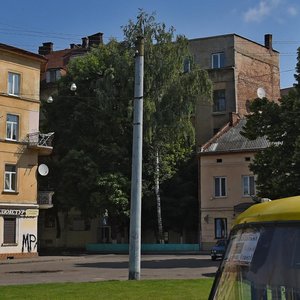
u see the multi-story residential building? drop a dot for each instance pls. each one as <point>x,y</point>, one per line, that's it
<point>57,61</point>
<point>20,145</point>
<point>238,67</point>
<point>226,185</point>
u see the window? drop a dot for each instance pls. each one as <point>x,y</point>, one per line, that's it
<point>9,230</point>
<point>13,84</point>
<point>220,186</point>
<point>248,185</point>
<point>219,101</point>
<point>12,127</point>
<point>53,75</point>
<point>10,178</point>
<point>220,228</point>
<point>218,60</point>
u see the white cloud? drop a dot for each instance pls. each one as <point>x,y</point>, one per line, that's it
<point>263,9</point>
<point>292,11</point>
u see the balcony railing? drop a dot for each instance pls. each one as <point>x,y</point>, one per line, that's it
<point>45,199</point>
<point>41,142</point>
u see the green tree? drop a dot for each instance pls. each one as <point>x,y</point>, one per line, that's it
<point>278,166</point>
<point>92,126</point>
<point>169,102</point>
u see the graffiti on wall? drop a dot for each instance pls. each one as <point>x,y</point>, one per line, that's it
<point>29,242</point>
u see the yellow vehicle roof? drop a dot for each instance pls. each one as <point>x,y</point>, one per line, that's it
<point>285,209</point>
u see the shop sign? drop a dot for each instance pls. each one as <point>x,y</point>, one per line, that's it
<point>12,212</point>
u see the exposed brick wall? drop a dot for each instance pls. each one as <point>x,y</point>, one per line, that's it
<point>256,66</point>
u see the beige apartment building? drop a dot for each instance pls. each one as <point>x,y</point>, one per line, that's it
<point>238,67</point>
<point>20,145</point>
<point>226,184</point>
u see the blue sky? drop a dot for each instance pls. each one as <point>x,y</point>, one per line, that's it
<point>27,24</point>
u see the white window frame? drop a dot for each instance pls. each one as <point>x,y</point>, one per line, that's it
<point>14,83</point>
<point>10,178</point>
<point>220,60</point>
<point>247,180</point>
<point>218,184</point>
<point>13,128</point>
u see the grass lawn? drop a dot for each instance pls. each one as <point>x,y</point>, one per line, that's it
<point>143,289</point>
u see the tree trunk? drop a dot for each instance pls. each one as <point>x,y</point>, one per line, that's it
<point>158,202</point>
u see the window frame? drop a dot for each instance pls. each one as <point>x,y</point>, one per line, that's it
<point>12,178</point>
<point>220,60</point>
<point>13,87</point>
<point>13,125</point>
<point>222,235</point>
<point>220,187</point>
<point>10,241</point>
<point>219,101</point>
<point>247,185</point>
<point>53,75</point>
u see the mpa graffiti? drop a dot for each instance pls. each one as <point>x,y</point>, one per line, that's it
<point>29,242</point>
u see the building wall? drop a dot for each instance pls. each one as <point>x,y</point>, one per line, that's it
<point>233,167</point>
<point>21,204</point>
<point>256,67</point>
<point>207,122</point>
<point>248,66</point>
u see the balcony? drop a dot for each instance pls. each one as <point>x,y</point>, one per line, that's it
<point>45,199</point>
<point>41,142</point>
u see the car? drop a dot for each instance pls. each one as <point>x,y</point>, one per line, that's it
<point>218,250</point>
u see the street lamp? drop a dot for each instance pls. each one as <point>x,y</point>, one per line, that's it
<point>50,99</point>
<point>73,87</point>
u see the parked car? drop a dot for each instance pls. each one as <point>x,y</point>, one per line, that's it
<point>218,250</point>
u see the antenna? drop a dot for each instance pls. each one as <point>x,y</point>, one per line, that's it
<point>43,170</point>
<point>261,93</point>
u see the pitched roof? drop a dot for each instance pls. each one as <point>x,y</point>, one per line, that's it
<point>59,59</point>
<point>230,139</point>
<point>22,52</point>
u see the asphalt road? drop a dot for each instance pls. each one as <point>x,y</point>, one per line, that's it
<point>88,268</point>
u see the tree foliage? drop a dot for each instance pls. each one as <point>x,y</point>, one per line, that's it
<point>92,133</point>
<point>170,96</point>
<point>93,126</point>
<point>278,166</point>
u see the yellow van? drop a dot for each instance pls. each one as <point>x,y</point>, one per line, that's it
<point>262,260</point>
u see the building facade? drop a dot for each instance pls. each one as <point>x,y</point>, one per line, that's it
<point>57,61</point>
<point>20,145</point>
<point>238,68</point>
<point>226,185</point>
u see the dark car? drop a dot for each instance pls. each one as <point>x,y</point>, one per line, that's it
<point>218,250</point>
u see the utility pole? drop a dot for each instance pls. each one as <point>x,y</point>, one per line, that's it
<point>136,177</point>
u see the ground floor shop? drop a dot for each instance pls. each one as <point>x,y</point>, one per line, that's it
<point>18,231</point>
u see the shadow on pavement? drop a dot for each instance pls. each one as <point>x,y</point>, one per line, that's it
<point>155,264</point>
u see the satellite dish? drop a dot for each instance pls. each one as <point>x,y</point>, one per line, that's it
<point>43,169</point>
<point>261,93</point>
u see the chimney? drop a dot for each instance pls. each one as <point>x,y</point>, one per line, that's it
<point>47,48</point>
<point>233,118</point>
<point>95,39</point>
<point>268,41</point>
<point>85,42</point>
